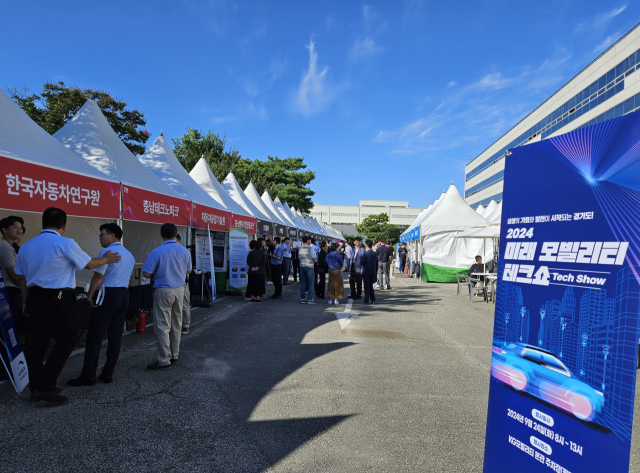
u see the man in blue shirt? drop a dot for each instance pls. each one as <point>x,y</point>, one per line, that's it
<point>169,265</point>
<point>286,260</point>
<point>47,266</point>
<point>112,282</point>
<point>355,268</point>
<point>276,269</point>
<point>369,271</point>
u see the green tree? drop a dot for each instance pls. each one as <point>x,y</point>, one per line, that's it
<point>58,103</point>
<point>378,228</point>
<point>287,178</point>
<point>350,238</point>
<point>195,144</point>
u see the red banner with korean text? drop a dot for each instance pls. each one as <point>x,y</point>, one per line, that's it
<point>33,188</point>
<point>147,206</point>
<point>201,215</point>
<point>240,221</point>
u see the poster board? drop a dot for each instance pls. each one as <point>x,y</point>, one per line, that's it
<point>565,340</point>
<point>238,249</point>
<point>203,260</point>
<point>17,364</point>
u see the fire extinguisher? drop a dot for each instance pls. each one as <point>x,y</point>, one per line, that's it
<point>142,322</point>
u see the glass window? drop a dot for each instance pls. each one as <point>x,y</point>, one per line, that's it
<point>628,105</point>
<point>618,110</point>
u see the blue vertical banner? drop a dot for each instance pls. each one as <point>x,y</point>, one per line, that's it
<point>17,363</point>
<point>565,341</point>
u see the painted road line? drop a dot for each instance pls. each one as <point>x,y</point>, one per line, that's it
<point>344,318</point>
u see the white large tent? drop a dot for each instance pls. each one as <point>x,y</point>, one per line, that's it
<point>252,194</point>
<point>278,205</point>
<point>89,135</point>
<point>202,174</point>
<point>40,172</point>
<point>231,186</point>
<point>266,199</point>
<point>491,206</point>
<point>442,254</point>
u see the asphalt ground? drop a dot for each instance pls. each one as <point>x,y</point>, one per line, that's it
<point>281,387</point>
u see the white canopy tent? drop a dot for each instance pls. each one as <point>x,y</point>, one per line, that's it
<point>491,206</point>
<point>231,186</point>
<point>89,135</point>
<point>202,174</point>
<point>40,172</point>
<point>443,255</point>
<point>495,216</point>
<point>278,205</point>
<point>480,209</point>
<point>254,197</point>
<point>266,199</point>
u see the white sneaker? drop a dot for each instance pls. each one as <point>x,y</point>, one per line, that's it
<point>336,302</point>
<point>377,287</point>
<point>329,302</point>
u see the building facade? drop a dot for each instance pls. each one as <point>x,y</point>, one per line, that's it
<point>606,88</point>
<point>345,217</point>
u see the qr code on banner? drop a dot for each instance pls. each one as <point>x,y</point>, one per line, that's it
<point>52,191</point>
<point>160,208</point>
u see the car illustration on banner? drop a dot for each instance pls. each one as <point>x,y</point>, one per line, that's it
<point>234,269</point>
<point>541,373</point>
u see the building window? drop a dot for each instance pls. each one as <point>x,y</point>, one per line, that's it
<point>343,215</point>
<point>403,216</point>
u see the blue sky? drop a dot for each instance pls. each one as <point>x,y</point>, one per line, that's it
<point>385,100</point>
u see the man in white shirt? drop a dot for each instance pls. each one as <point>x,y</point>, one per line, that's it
<point>47,266</point>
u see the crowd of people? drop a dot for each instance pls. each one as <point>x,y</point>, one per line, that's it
<point>273,260</point>
<point>40,282</point>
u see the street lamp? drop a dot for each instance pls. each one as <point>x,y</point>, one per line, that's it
<point>605,352</point>
<point>522,312</point>
<point>506,328</point>
<point>563,324</point>
<point>543,312</point>
<point>585,337</point>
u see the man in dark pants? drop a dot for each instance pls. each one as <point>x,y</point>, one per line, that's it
<point>355,269</point>
<point>369,273</point>
<point>295,263</point>
<point>320,272</point>
<point>276,269</point>
<point>402,255</point>
<point>110,315</point>
<point>286,260</point>
<point>47,265</point>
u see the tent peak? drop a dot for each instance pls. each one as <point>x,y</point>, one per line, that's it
<point>161,133</point>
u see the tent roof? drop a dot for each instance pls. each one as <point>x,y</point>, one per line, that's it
<point>296,219</point>
<point>494,217</point>
<point>480,209</point>
<point>280,208</point>
<point>231,186</point>
<point>254,197</point>
<point>491,206</point>
<point>161,161</point>
<point>488,231</point>
<point>202,174</point>
<point>450,214</point>
<point>272,207</point>
<point>89,135</point>
<point>24,139</point>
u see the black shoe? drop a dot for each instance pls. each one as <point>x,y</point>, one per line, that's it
<point>184,331</point>
<point>357,298</point>
<point>105,379</point>
<point>158,366</point>
<point>80,381</point>
<point>173,361</point>
<point>51,397</point>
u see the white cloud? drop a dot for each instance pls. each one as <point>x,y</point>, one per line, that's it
<point>478,112</point>
<point>606,42</point>
<point>250,88</point>
<point>313,93</point>
<point>600,22</point>
<point>244,111</point>
<point>363,48</point>
<point>277,68</point>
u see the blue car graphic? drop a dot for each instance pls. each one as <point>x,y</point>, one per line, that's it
<point>541,373</point>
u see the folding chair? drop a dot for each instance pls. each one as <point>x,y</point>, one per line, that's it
<point>462,281</point>
<point>476,286</point>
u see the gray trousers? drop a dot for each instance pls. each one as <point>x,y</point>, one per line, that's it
<point>383,270</point>
<point>186,308</point>
<point>167,314</point>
